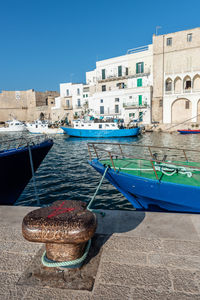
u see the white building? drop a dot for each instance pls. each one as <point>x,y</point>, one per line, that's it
<point>122,86</point>
<point>72,103</point>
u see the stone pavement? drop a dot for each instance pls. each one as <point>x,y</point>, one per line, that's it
<point>144,256</point>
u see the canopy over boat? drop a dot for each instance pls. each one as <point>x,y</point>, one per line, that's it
<point>151,178</point>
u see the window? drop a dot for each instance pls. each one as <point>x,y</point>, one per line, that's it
<point>46,100</point>
<point>187,104</point>
<point>188,84</point>
<point>78,91</point>
<point>120,85</point>
<point>101,101</point>
<point>140,99</point>
<point>116,99</point>
<point>189,37</point>
<point>67,92</point>
<point>140,116</point>
<point>169,41</point>
<point>139,67</point>
<point>168,85</point>
<point>126,71</point>
<point>116,109</point>
<point>103,73</point>
<point>67,103</point>
<point>100,125</point>
<point>86,95</point>
<point>103,88</point>
<point>130,97</point>
<point>119,71</point>
<point>139,82</point>
<point>101,110</point>
<point>78,102</point>
<point>160,103</point>
<point>132,115</point>
<point>83,95</point>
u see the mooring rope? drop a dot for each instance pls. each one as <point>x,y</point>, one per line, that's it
<point>93,197</point>
<point>33,174</point>
<point>71,263</point>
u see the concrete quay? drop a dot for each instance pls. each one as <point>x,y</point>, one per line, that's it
<point>142,256</point>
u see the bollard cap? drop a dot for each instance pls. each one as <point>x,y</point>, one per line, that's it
<point>63,222</point>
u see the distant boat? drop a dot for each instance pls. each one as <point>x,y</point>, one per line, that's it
<point>42,127</point>
<point>189,131</point>
<point>147,179</point>
<point>15,166</point>
<point>13,126</point>
<point>99,130</point>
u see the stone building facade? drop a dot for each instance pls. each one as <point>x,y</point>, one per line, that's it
<point>176,77</point>
<point>26,105</point>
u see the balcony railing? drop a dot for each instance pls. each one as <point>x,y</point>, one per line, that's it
<point>115,77</point>
<point>135,104</point>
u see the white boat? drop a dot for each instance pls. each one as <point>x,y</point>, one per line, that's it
<point>13,126</point>
<point>42,127</point>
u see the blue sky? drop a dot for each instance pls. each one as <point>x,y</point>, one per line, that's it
<point>46,42</point>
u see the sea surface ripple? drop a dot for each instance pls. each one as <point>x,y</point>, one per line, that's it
<point>65,173</point>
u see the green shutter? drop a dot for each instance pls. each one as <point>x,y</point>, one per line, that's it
<point>136,68</point>
<point>139,82</point>
<point>142,67</point>
<point>140,99</point>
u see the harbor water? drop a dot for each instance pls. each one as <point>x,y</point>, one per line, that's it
<point>65,173</point>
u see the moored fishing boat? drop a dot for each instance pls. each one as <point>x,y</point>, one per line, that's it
<point>189,131</point>
<point>42,127</point>
<point>13,126</point>
<point>18,159</point>
<point>100,130</point>
<point>149,180</point>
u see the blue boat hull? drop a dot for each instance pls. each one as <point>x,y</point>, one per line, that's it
<point>16,169</point>
<point>151,195</point>
<point>189,131</point>
<point>100,133</point>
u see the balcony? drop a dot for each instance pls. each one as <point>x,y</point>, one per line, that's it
<point>115,77</point>
<point>135,105</point>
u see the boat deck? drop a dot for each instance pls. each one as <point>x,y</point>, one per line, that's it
<point>144,168</point>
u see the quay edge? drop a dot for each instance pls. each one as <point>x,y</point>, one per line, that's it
<point>144,256</point>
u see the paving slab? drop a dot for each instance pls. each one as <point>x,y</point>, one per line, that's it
<point>142,256</point>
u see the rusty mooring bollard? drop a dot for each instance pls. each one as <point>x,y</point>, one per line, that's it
<point>65,227</point>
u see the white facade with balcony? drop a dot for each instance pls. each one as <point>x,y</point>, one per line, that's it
<point>123,86</point>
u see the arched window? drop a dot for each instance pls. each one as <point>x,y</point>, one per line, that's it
<point>187,84</point>
<point>168,85</point>
<point>41,116</point>
<point>177,85</point>
<point>196,82</point>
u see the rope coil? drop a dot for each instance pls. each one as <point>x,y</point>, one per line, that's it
<point>66,264</point>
